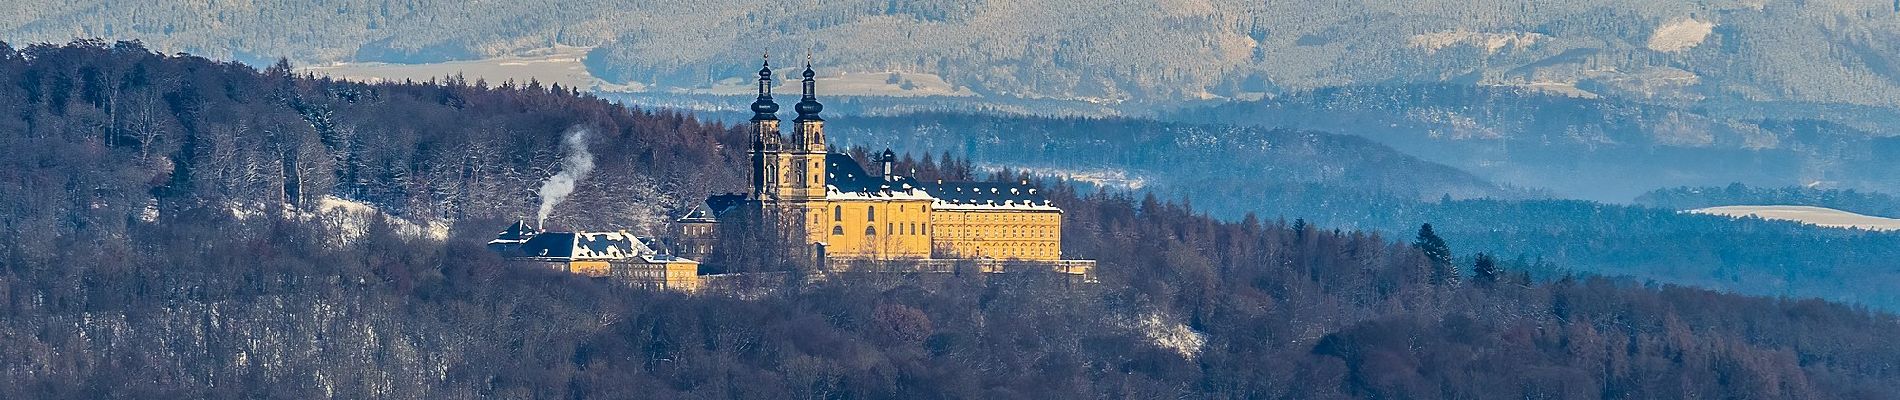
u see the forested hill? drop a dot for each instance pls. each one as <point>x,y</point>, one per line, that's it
<point>1689,198</point>
<point>154,137</point>
<point>1223,166</point>
<point>169,237</point>
<point>1602,149</point>
<point>1349,182</point>
<point>1832,51</point>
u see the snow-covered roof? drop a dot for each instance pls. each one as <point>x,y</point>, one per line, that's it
<point>698,214</point>
<point>583,246</point>
<point>988,196</point>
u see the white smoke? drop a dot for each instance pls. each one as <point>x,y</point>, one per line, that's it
<point>574,167</point>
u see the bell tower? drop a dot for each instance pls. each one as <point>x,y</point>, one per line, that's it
<point>807,148</point>
<point>765,150</point>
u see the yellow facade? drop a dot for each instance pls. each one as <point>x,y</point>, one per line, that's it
<point>871,229</point>
<point>594,269</point>
<point>853,214</point>
<point>998,234</point>
<point>894,229</point>
<point>676,274</point>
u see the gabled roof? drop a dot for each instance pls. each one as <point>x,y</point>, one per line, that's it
<point>698,214</point>
<point>716,205</point>
<point>516,233</point>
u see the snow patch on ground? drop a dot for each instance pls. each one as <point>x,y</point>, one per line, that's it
<point>352,219</point>
<point>1453,125</point>
<point>349,220</point>
<point>1817,216</point>
<point>1489,41</point>
<point>1103,177</point>
<point>1171,335</point>
<point>1652,82</point>
<point>1680,35</point>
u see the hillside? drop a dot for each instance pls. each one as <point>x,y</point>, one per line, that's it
<point>1689,198</point>
<point>1818,216</point>
<point>1169,158</point>
<point>1349,182</point>
<point>1833,52</point>
<point>205,274</point>
<point>1599,149</point>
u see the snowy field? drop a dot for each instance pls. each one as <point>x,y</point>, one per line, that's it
<point>1818,216</point>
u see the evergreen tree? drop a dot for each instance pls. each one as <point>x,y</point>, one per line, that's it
<point>1486,269</point>
<point>1438,253</point>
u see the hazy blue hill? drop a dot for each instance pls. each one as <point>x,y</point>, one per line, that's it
<point>1601,149</point>
<point>1347,182</point>
<point>1689,198</point>
<point>1199,161</point>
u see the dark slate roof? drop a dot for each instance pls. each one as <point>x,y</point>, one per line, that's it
<point>845,175</point>
<point>986,193</point>
<point>720,204</point>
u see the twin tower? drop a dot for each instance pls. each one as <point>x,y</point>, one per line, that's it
<point>785,170</point>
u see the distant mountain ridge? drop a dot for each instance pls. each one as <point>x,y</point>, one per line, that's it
<point>1599,149</point>
<point>1234,165</point>
<point>1837,51</point>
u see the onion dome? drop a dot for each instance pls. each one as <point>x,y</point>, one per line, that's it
<point>764,109</point>
<point>765,106</point>
<point>808,106</point>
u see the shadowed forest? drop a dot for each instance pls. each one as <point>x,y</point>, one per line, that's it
<point>169,238</point>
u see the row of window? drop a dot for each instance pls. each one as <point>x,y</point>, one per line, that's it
<point>1005,233</point>
<point>870,213</point>
<point>871,230</point>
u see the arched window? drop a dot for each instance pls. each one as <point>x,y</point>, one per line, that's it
<point>870,231</point>
<point>871,215</point>
<point>837,213</point>
<point>837,231</point>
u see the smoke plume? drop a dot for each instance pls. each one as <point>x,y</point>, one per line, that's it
<point>574,167</point>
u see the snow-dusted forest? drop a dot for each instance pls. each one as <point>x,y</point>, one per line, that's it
<point>1834,51</point>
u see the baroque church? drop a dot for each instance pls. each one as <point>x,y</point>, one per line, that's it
<point>851,216</point>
